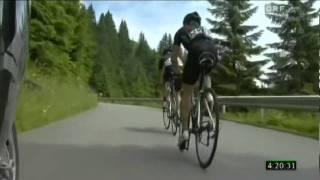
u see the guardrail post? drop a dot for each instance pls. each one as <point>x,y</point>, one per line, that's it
<point>262,114</point>
<point>223,109</point>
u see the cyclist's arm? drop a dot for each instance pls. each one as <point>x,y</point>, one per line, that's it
<point>176,51</point>
<point>181,64</point>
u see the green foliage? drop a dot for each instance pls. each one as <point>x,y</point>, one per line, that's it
<point>165,42</point>
<point>51,98</point>
<point>62,38</point>
<point>237,74</point>
<point>66,40</point>
<point>302,123</point>
<point>122,67</point>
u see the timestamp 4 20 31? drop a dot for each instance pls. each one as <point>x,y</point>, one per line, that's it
<point>281,165</point>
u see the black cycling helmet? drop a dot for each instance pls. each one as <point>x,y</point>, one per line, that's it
<point>194,16</point>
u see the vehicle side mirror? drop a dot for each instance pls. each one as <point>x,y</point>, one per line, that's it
<point>7,21</point>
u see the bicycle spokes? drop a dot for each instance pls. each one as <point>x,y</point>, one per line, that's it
<point>209,109</point>
<point>207,134</point>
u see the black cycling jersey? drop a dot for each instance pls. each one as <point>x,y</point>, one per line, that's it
<point>196,42</point>
<point>169,72</point>
<point>186,38</point>
<point>182,36</point>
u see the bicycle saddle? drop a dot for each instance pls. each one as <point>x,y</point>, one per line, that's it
<point>207,61</point>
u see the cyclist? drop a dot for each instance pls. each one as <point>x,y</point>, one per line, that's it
<point>167,71</point>
<point>195,40</point>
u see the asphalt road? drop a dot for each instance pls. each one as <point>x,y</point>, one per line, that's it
<point>115,142</point>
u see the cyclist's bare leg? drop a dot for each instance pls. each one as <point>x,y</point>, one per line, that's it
<point>185,105</point>
<point>165,90</point>
<point>179,102</point>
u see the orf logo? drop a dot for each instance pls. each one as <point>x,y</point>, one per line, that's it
<point>274,8</point>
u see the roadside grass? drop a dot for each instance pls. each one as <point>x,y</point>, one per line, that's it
<point>295,122</point>
<point>52,99</point>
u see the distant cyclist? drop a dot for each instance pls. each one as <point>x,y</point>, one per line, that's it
<point>196,41</point>
<point>167,71</point>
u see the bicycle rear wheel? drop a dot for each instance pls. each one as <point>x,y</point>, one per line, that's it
<point>207,134</point>
<point>174,119</point>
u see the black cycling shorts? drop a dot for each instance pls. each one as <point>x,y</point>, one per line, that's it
<point>191,69</point>
<point>169,73</point>
<point>178,83</point>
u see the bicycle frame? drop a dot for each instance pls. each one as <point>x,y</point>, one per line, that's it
<point>205,82</point>
<point>174,92</point>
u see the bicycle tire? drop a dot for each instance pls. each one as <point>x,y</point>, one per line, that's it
<point>191,119</point>
<point>215,110</point>
<point>11,147</point>
<point>165,119</point>
<point>174,114</point>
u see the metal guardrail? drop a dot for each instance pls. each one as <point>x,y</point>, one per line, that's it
<point>130,99</point>
<point>309,103</point>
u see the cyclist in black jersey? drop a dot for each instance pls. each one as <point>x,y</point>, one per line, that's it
<point>167,70</point>
<point>195,39</point>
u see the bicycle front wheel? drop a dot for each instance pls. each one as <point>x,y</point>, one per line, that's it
<point>165,118</point>
<point>208,130</point>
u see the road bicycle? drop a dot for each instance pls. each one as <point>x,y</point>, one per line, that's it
<point>172,107</point>
<point>204,115</point>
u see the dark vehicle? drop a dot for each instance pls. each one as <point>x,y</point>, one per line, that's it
<point>14,19</point>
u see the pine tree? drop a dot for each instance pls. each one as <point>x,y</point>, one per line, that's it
<point>111,40</point>
<point>148,64</point>
<point>170,43</point>
<point>124,40</point>
<point>238,73</point>
<point>125,56</point>
<point>92,16</point>
<point>84,44</point>
<point>296,62</point>
<point>107,56</point>
<point>165,42</point>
